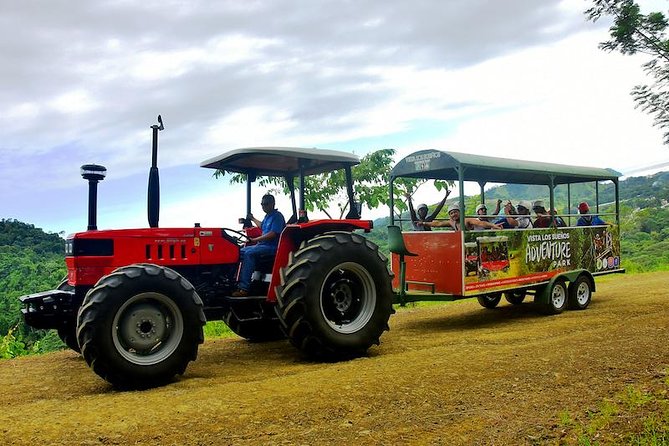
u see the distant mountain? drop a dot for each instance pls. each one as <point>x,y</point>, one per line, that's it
<point>23,235</point>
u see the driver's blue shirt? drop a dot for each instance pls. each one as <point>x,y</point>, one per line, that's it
<point>273,221</point>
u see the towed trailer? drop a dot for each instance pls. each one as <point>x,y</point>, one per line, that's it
<point>556,265</point>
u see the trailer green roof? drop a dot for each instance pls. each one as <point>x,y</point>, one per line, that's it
<point>438,164</point>
<point>281,161</point>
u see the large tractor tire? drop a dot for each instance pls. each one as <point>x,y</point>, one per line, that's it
<point>335,296</point>
<point>254,329</point>
<point>68,331</point>
<point>140,326</point>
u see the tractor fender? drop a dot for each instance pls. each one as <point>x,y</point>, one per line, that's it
<point>293,235</point>
<point>543,292</point>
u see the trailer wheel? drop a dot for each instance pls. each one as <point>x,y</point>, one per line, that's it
<point>140,325</point>
<point>580,293</point>
<point>515,297</point>
<point>335,297</point>
<point>489,300</point>
<point>557,298</point>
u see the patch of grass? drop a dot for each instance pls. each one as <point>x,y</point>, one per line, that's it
<point>217,329</point>
<point>565,419</point>
<point>634,417</point>
<point>635,398</point>
<point>655,432</point>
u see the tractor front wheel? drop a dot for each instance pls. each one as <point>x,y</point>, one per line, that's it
<point>335,297</point>
<point>68,331</point>
<point>68,334</point>
<point>140,326</point>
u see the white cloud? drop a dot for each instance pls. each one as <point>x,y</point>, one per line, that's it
<point>73,102</point>
<point>83,81</point>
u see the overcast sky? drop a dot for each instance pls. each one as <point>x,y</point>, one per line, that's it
<point>82,82</point>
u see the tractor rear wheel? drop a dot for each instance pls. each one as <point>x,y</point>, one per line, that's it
<point>335,297</point>
<point>140,325</point>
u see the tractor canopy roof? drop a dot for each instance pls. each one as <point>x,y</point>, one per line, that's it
<point>281,161</point>
<point>438,164</point>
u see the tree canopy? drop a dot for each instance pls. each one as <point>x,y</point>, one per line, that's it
<point>370,183</point>
<point>634,32</point>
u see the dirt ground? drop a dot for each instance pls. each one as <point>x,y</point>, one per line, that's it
<point>444,374</point>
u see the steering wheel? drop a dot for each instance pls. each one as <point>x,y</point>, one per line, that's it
<point>238,237</point>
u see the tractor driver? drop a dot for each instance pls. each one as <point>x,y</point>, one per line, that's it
<point>267,243</point>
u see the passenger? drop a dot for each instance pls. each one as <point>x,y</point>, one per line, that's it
<point>498,207</point>
<point>543,217</point>
<point>510,221</point>
<point>508,211</point>
<point>482,212</point>
<point>559,222</point>
<point>267,243</point>
<point>586,219</point>
<point>420,215</point>
<point>454,221</point>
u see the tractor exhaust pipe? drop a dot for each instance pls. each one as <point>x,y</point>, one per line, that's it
<point>94,174</point>
<point>153,198</point>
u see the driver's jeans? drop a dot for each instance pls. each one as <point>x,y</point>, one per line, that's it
<point>249,256</point>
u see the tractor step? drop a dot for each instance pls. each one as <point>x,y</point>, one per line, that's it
<point>231,299</point>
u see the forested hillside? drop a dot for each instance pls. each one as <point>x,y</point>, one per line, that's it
<point>30,261</point>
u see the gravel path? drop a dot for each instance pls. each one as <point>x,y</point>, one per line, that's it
<point>444,374</point>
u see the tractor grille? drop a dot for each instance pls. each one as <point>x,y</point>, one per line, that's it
<point>166,251</point>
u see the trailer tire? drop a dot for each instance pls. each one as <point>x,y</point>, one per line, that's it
<point>489,300</point>
<point>580,293</point>
<point>515,297</point>
<point>557,298</point>
<point>140,325</point>
<point>335,296</point>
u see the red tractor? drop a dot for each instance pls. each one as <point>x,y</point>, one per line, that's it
<point>135,300</point>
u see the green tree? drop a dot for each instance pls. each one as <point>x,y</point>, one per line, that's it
<point>327,189</point>
<point>633,32</point>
